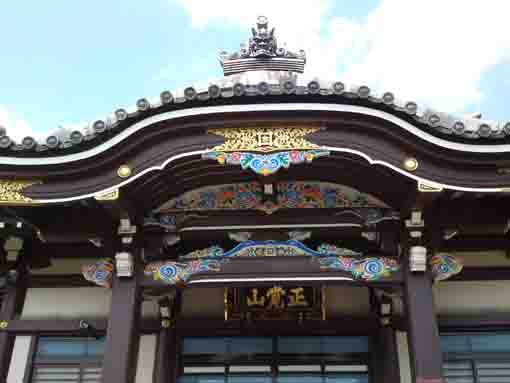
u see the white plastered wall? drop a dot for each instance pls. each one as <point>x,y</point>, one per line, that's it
<point>472,297</point>
<point>20,355</point>
<point>404,363</point>
<point>146,359</point>
<point>67,303</point>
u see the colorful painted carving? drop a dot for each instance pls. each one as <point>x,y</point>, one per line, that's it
<point>172,273</point>
<point>100,273</point>
<point>369,269</point>
<point>209,252</point>
<point>445,266</point>
<point>289,195</point>
<point>265,164</point>
<point>288,248</point>
<point>327,249</point>
<point>242,196</point>
<point>330,257</point>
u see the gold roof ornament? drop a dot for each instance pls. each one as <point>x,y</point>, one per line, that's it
<point>11,192</point>
<point>265,139</point>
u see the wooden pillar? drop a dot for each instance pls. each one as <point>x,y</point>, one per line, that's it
<point>385,361</point>
<point>423,333</point>
<point>122,338</point>
<point>166,358</point>
<point>11,307</point>
<point>166,363</point>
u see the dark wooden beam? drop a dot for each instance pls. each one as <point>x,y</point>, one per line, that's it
<point>122,207</point>
<point>85,327</point>
<point>122,336</point>
<point>338,326</point>
<point>71,327</point>
<point>479,322</point>
<point>11,306</point>
<point>75,250</point>
<point>60,280</point>
<point>476,243</point>
<point>482,274</point>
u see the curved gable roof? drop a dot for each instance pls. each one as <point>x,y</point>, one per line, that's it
<point>261,91</point>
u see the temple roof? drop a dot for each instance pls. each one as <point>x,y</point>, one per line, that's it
<point>265,73</point>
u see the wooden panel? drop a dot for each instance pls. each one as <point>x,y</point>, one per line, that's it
<point>347,300</point>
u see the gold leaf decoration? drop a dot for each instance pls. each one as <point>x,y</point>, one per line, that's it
<point>11,192</point>
<point>110,196</point>
<point>264,139</point>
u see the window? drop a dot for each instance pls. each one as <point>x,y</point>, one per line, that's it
<point>68,360</point>
<point>476,358</point>
<point>309,359</point>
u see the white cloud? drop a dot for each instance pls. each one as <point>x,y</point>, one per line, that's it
<point>432,51</point>
<point>16,127</point>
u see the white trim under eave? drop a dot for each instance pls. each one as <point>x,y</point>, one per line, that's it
<point>282,226</point>
<point>269,279</point>
<point>276,107</point>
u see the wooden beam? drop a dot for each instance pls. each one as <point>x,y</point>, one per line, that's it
<point>476,243</point>
<point>491,322</point>
<point>122,336</point>
<point>340,326</point>
<point>482,274</point>
<point>71,326</point>
<point>75,250</point>
<point>300,216</point>
<point>57,326</point>
<point>58,280</point>
<point>12,306</point>
<point>122,207</point>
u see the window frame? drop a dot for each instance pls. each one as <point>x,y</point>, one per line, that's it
<point>275,360</point>
<point>32,362</point>
<point>474,357</point>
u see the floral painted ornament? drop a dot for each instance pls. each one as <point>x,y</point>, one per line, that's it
<point>289,195</point>
<point>172,273</point>
<point>369,269</point>
<point>329,249</point>
<point>445,266</point>
<point>100,273</point>
<point>265,164</point>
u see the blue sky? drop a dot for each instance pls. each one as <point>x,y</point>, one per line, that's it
<point>68,62</point>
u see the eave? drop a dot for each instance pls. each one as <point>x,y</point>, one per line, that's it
<point>264,88</point>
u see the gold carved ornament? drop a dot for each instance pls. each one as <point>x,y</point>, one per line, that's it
<point>107,197</point>
<point>268,139</point>
<point>11,192</point>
